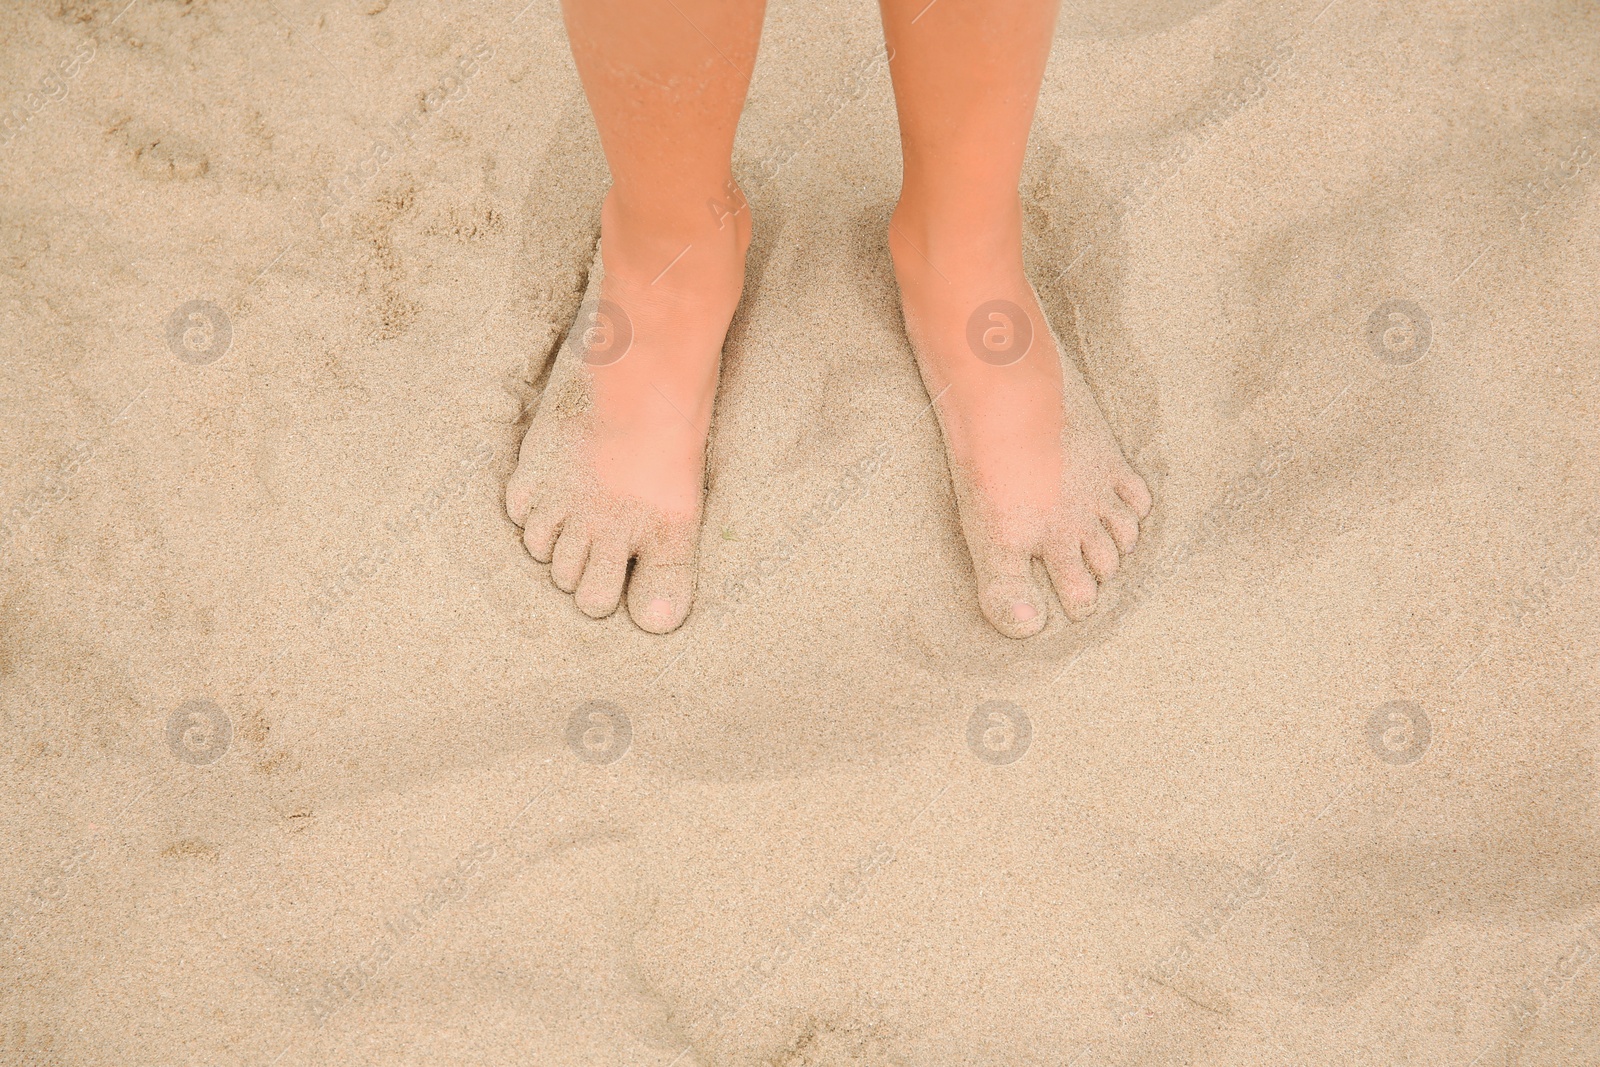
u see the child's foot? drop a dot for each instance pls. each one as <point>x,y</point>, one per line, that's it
<point>1037,473</point>
<point>612,468</point>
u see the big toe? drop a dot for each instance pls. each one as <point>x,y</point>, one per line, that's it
<point>662,586</point>
<point>659,596</point>
<point>1008,595</point>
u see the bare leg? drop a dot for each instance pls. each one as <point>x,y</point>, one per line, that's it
<point>1036,470</point>
<point>617,474</point>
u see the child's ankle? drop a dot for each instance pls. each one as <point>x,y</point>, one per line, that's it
<point>937,228</point>
<point>641,243</point>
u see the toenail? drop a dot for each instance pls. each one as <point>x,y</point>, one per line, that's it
<point>1023,611</point>
<point>659,610</point>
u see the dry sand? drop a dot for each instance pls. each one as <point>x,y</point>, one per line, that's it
<point>1224,842</point>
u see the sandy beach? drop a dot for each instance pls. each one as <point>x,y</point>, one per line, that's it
<point>307,762</point>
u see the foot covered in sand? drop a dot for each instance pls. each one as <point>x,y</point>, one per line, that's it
<point>609,484</point>
<point>1036,471</point>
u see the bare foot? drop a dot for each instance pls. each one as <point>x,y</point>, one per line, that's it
<point>612,468</point>
<point>1036,471</point>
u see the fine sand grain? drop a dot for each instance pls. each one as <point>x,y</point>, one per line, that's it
<point>307,762</point>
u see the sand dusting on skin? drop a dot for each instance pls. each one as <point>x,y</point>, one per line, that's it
<point>1225,842</point>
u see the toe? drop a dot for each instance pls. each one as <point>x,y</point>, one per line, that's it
<point>566,562</point>
<point>519,500</point>
<point>1123,523</point>
<point>662,584</point>
<point>539,532</point>
<point>1131,488</point>
<point>1075,586</point>
<point>1008,595</point>
<point>600,589</point>
<point>1100,552</point>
